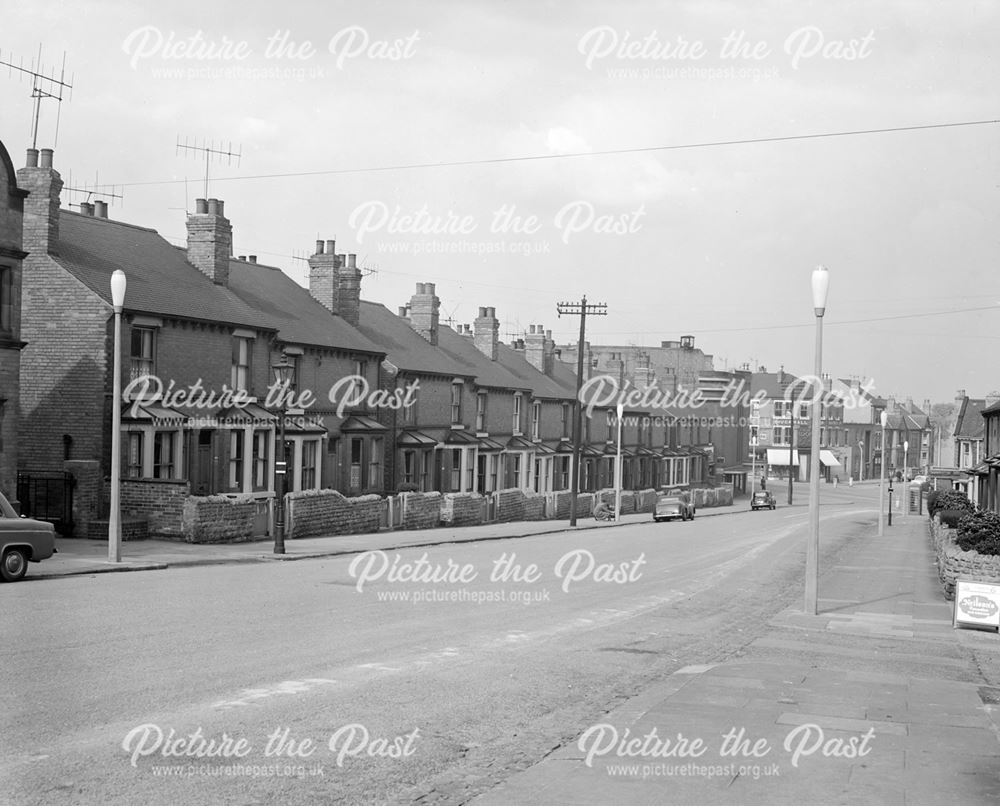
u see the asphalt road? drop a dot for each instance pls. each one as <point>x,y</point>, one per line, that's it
<point>424,674</point>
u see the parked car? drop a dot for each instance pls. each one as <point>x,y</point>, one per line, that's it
<point>670,506</point>
<point>22,540</point>
<point>762,499</point>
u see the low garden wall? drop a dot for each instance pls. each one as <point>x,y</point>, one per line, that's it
<point>421,510</point>
<point>218,519</point>
<point>160,502</point>
<point>953,562</point>
<point>328,512</point>
<point>461,509</point>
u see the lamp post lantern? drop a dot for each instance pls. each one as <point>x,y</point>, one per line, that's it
<point>620,410</point>
<point>118,284</point>
<point>283,375</point>
<point>820,285</point>
<point>883,418</point>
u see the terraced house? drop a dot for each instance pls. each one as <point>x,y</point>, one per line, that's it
<point>11,255</point>
<point>376,402</point>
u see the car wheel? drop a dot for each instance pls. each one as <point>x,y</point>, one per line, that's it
<point>14,565</point>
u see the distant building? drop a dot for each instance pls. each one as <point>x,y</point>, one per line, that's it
<point>671,366</point>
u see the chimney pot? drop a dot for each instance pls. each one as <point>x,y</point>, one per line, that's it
<point>420,289</point>
<point>430,288</point>
<point>331,248</point>
<point>242,257</point>
<point>86,208</point>
<point>101,209</point>
<point>253,258</point>
<point>531,329</point>
<point>213,206</point>
<point>341,259</point>
<point>402,311</point>
<point>319,248</point>
<point>491,313</point>
<point>200,206</point>
<point>46,158</point>
<point>352,261</point>
<point>482,313</point>
<point>32,161</point>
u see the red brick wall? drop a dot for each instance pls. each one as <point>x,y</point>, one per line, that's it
<point>11,222</point>
<point>68,330</point>
<point>160,502</point>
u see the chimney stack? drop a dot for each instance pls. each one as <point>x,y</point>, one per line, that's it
<point>323,286</point>
<point>486,332</point>
<point>41,207</point>
<point>210,240</point>
<point>349,290</point>
<point>534,347</point>
<point>425,312</point>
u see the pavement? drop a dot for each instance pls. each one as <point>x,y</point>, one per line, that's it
<point>78,556</point>
<point>875,700</point>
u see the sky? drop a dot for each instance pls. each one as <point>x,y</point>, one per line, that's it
<point>660,157</point>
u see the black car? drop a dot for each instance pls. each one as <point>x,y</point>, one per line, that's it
<point>762,499</point>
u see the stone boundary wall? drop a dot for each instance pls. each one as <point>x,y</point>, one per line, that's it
<point>218,519</point>
<point>421,510</point>
<point>328,512</point>
<point>461,509</point>
<point>585,503</point>
<point>953,562</point>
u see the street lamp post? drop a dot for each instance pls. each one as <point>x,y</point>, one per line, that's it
<point>118,284</point>
<point>282,374</point>
<point>906,477</point>
<point>883,418</point>
<point>820,285</point>
<point>861,460</point>
<point>618,463</point>
<point>791,448</point>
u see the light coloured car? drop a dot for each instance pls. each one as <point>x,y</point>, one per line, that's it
<point>22,540</point>
<point>670,507</point>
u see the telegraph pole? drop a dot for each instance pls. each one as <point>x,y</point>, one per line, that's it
<point>581,309</point>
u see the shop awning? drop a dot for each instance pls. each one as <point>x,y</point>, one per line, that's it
<point>779,456</point>
<point>828,459</point>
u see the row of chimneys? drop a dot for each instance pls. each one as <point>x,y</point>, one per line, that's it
<point>334,279</point>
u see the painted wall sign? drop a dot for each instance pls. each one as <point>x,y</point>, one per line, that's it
<point>977,604</point>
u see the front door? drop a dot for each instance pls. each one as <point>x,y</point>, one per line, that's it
<point>201,481</point>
